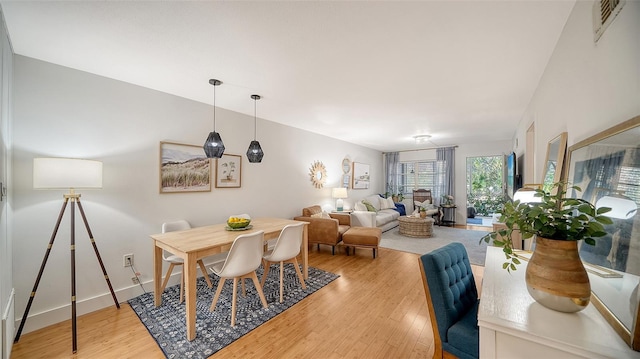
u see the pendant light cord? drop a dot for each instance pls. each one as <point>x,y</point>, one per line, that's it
<point>255,120</point>
<point>214,108</point>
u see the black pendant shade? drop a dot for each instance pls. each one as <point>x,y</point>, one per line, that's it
<point>254,153</point>
<point>213,146</point>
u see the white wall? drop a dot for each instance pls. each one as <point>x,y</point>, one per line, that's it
<point>6,261</point>
<point>587,87</point>
<point>61,112</point>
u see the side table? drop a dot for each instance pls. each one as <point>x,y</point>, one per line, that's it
<point>448,215</point>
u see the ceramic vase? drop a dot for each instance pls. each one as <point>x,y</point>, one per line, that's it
<point>423,214</point>
<point>556,277</point>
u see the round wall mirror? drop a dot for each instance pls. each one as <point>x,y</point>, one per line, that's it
<point>318,174</point>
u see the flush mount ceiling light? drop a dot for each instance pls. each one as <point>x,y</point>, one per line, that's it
<point>213,146</point>
<point>421,138</point>
<point>255,153</point>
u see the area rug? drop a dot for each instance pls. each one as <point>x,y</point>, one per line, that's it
<point>441,236</point>
<point>167,323</point>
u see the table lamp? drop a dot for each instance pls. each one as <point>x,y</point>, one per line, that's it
<point>622,207</point>
<point>339,193</point>
<point>526,194</point>
<point>67,173</point>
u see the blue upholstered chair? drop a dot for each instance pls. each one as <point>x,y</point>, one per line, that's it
<point>452,298</point>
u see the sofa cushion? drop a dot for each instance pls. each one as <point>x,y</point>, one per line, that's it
<point>387,203</point>
<point>374,200</point>
<point>369,205</point>
<point>385,216</point>
<point>359,206</point>
<point>322,214</point>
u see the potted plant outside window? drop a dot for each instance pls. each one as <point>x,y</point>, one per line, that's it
<point>555,275</point>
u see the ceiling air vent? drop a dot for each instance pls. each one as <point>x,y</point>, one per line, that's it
<point>604,11</point>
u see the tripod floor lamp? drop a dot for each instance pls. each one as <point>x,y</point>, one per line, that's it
<point>66,173</point>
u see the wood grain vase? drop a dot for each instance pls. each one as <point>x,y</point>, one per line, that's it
<point>556,277</point>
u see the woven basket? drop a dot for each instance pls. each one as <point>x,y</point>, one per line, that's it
<point>416,227</point>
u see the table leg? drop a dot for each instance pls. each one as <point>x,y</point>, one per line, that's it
<point>305,251</point>
<point>190,294</point>
<point>157,275</point>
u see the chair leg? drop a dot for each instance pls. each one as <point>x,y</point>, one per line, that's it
<point>266,266</point>
<point>299,272</point>
<point>244,290</point>
<point>167,276</point>
<point>217,295</point>
<point>258,288</point>
<point>204,273</point>
<point>233,304</point>
<point>281,281</point>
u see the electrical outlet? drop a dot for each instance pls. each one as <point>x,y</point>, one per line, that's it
<point>135,280</point>
<point>127,260</point>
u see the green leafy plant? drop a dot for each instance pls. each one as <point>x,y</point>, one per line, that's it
<point>555,217</point>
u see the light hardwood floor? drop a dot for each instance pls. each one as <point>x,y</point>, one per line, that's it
<point>376,309</point>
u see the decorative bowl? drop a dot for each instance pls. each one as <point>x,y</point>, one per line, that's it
<point>236,222</point>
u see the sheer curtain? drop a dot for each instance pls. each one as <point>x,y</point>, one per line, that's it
<point>445,172</point>
<point>391,169</point>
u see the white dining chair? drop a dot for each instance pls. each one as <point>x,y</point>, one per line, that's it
<point>242,261</point>
<point>286,250</point>
<point>174,260</point>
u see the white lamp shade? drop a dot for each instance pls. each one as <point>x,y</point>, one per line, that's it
<point>621,207</point>
<point>54,173</point>
<point>339,192</point>
<point>526,195</point>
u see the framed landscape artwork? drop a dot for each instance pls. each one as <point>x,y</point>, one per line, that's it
<point>360,176</point>
<point>183,168</point>
<point>229,171</point>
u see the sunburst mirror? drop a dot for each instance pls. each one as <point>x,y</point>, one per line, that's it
<point>318,174</point>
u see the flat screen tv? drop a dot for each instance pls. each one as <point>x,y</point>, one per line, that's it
<point>510,174</point>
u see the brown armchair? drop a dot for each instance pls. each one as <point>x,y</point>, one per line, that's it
<point>327,231</point>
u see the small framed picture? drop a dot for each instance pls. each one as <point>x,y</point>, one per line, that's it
<point>184,168</point>
<point>229,171</point>
<point>360,176</point>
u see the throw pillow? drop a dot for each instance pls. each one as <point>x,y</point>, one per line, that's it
<point>322,214</point>
<point>421,204</point>
<point>387,203</point>
<point>369,206</point>
<point>373,200</point>
<point>359,206</point>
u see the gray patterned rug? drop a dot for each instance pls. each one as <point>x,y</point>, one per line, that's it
<point>167,323</point>
<point>441,236</point>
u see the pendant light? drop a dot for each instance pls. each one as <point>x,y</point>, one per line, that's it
<point>254,153</point>
<point>213,146</point>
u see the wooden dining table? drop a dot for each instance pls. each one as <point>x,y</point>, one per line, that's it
<point>196,243</point>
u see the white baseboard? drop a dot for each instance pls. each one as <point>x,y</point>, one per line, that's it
<point>52,316</point>
<point>8,329</point>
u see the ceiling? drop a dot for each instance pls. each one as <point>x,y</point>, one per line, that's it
<point>370,73</point>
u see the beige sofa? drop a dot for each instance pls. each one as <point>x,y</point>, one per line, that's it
<point>383,214</point>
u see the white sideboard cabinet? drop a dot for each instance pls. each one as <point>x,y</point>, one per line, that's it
<point>512,325</point>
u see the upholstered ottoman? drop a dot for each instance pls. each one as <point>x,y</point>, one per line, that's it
<point>363,237</point>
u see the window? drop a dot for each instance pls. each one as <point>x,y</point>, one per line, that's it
<point>414,175</point>
<point>628,182</point>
